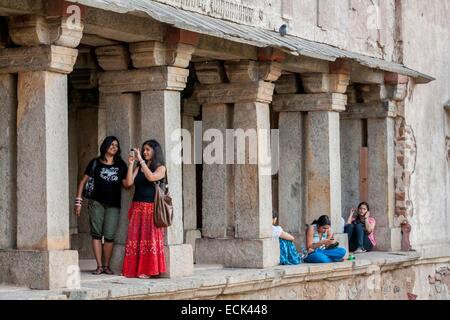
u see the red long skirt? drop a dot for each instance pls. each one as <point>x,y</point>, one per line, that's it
<point>144,249</point>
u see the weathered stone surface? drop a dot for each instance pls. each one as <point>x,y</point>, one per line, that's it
<point>361,74</point>
<point>190,237</point>
<point>381,133</point>
<point>113,58</point>
<point>323,83</point>
<point>260,91</point>
<point>323,167</point>
<point>370,111</point>
<point>156,78</point>
<point>43,270</point>
<point>190,107</point>
<point>179,261</point>
<point>248,70</point>
<point>8,162</point>
<point>217,181</point>
<point>84,79</point>
<point>288,83</point>
<point>86,58</point>
<point>305,64</point>
<point>309,102</point>
<point>30,30</point>
<point>122,27</point>
<point>42,162</point>
<point>159,118</point>
<point>154,53</point>
<point>210,72</point>
<point>222,49</point>
<point>290,176</point>
<point>97,41</point>
<point>252,182</point>
<point>43,58</point>
<point>261,253</point>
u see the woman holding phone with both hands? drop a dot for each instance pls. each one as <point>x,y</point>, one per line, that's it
<point>361,229</point>
<point>144,248</point>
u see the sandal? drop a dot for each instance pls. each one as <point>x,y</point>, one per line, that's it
<point>143,276</point>
<point>107,270</point>
<point>98,271</point>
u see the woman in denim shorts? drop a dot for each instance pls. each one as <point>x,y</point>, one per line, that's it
<point>109,173</point>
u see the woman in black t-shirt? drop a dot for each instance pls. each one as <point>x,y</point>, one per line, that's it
<point>144,249</point>
<point>109,174</point>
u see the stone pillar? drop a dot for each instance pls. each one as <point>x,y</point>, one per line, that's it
<point>42,259</point>
<point>323,102</point>
<point>380,110</point>
<point>8,156</point>
<point>157,117</point>
<point>190,110</point>
<point>251,92</point>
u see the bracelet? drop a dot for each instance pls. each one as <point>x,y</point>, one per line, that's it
<point>78,205</point>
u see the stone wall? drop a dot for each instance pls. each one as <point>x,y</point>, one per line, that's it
<point>426,40</point>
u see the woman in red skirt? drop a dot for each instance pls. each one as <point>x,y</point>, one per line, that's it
<point>144,249</point>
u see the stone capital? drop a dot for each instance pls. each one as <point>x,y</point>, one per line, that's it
<point>310,102</point>
<point>113,58</point>
<point>374,110</point>
<point>384,92</point>
<point>251,71</point>
<point>210,72</point>
<point>288,83</point>
<point>190,107</point>
<point>43,58</point>
<point>32,30</point>
<point>323,83</point>
<point>148,79</point>
<point>154,53</point>
<point>259,91</point>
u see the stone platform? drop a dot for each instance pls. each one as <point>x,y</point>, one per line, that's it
<point>373,275</point>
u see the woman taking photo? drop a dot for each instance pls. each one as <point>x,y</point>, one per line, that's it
<point>360,229</point>
<point>144,249</point>
<point>108,172</point>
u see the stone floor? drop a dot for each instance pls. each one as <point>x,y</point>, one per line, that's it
<point>208,281</point>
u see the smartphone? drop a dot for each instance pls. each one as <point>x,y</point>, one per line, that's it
<point>132,153</point>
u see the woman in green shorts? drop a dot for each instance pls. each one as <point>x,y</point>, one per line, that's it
<point>109,173</point>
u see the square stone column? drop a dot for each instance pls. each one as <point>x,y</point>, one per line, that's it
<point>251,92</point>
<point>8,161</point>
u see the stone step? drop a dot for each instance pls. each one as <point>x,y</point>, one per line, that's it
<point>202,267</point>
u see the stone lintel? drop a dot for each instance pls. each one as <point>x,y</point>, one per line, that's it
<point>97,41</point>
<point>370,110</point>
<point>84,78</point>
<point>122,27</point>
<point>288,83</point>
<point>322,82</point>
<point>366,75</point>
<point>305,65</point>
<point>176,36</point>
<point>248,70</point>
<point>149,79</point>
<point>155,53</point>
<point>210,72</point>
<point>271,54</point>
<point>238,253</point>
<point>190,107</point>
<point>259,91</point>
<point>309,102</point>
<point>43,58</point>
<point>32,30</point>
<point>395,78</point>
<point>222,49</point>
<point>113,58</point>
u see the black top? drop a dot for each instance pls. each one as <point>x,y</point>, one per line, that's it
<point>144,190</point>
<point>107,182</point>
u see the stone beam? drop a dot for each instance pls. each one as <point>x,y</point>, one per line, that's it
<point>156,78</point>
<point>122,27</point>
<point>361,74</point>
<point>370,111</point>
<point>50,58</point>
<point>260,91</point>
<point>18,7</point>
<point>154,53</point>
<point>302,64</point>
<point>97,41</point>
<point>309,102</point>
<point>245,71</point>
<point>221,49</point>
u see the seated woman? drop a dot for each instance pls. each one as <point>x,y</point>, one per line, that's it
<point>360,229</point>
<point>288,252</point>
<point>320,243</point>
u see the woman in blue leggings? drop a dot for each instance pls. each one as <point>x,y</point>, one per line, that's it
<point>318,238</point>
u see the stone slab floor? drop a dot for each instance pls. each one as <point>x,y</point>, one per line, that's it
<point>208,281</point>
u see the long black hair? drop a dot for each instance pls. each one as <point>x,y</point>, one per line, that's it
<point>107,142</point>
<point>363,204</point>
<point>158,155</point>
<point>322,221</point>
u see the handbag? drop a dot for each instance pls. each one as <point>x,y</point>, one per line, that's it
<point>163,214</point>
<point>89,186</point>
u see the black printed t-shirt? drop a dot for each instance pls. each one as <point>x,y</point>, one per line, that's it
<point>107,182</point>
